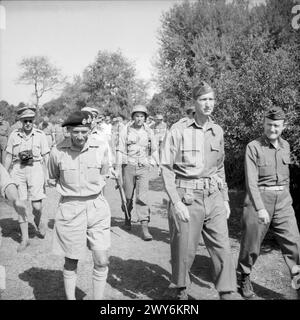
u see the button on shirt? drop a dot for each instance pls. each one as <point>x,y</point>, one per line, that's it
<point>36,141</point>
<point>78,172</point>
<point>266,166</point>
<point>192,152</point>
<point>134,145</point>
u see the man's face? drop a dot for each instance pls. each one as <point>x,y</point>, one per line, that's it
<point>27,124</point>
<point>139,118</point>
<point>273,128</point>
<point>205,104</point>
<point>79,136</point>
<point>1,118</point>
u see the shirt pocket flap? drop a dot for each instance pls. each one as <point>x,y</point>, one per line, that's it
<point>215,146</point>
<point>286,159</point>
<point>261,162</point>
<point>93,164</point>
<point>64,166</point>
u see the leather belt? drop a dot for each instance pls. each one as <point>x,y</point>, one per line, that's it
<point>272,188</point>
<point>195,184</point>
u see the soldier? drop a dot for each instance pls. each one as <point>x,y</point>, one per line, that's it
<point>136,152</point>
<point>268,201</point>
<point>49,131</point>
<point>59,132</point>
<point>27,151</point>
<point>77,164</point>
<point>98,133</point>
<point>4,128</point>
<point>117,127</point>
<point>193,173</point>
<point>160,129</point>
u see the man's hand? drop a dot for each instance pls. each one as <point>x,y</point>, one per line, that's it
<point>182,211</point>
<point>20,207</point>
<point>227,208</point>
<point>263,216</point>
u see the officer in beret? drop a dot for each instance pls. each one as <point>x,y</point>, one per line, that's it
<point>78,164</point>
<point>268,201</point>
<point>193,173</point>
<point>27,152</point>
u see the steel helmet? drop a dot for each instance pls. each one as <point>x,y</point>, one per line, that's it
<point>139,108</point>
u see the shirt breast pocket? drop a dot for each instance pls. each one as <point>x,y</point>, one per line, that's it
<point>286,160</point>
<point>264,167</point>
<point>93,172</point>
<point>16,148</point>
<point>68,173</point>
<point>36,150</point>
<point>131,139</point>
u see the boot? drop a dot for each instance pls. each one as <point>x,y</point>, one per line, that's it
<point>246,287</point>
<point>145,231</point>
<point>127,224</point>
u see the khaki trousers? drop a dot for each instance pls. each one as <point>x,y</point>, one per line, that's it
<point>207,216</point>
<point>136,178</point>
<point>283,223</point>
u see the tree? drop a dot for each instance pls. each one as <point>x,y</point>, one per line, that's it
<point>42,74</point>
<point>250,55</point>
<point>110,83</point>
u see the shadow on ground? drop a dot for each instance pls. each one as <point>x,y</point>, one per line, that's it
<point>47,284</point>
<point>157,233</point>
<point>137,279</point>
<point>265,293</point>
<point>10,229</point>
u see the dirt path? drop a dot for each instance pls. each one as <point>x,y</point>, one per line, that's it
<point>138,269</point>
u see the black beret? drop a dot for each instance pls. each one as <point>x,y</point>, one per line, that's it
<point>202,88</point>
<point>275,113</point>
<point>78,118</point>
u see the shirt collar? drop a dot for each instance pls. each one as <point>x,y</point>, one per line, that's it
<point>22,133</point>
<point>267,142</point>
<point>209,124</point>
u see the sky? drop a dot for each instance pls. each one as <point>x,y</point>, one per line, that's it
<point>71,33</point>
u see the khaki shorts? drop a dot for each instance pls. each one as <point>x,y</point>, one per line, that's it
<point>81,222</point>
<point>30,181</point>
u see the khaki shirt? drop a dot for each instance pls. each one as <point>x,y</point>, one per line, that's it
<point>4,128</point>
<point>78,173</point>
<point>102,137</point>
<point>5,180</point>
<point>160,130</point>
<point>192,152</point>
<point>135,146</point>
<point>36,141</point>
<point>266,166</point>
